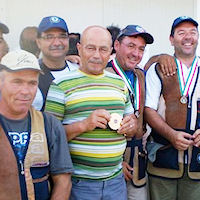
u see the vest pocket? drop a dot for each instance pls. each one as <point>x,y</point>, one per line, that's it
<point>142,164</point>
<point>195,160</point>
<point>40,181</point>
<point>166,158</point>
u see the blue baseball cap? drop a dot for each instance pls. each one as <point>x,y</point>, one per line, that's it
<point>4,28</point>
<point>52,22</point>
<point>133,30</point>
<point>180,20</point>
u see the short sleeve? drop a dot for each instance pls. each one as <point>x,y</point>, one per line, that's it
<point>55,102</point>
<point>60,160</point>
<point>153,88</point>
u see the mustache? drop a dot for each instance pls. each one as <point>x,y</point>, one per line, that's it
<point>95,61</point>
<point>59,47</point>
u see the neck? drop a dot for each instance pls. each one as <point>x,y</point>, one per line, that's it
<point>13,116</point>
<point>54,64</point>
<point>187,60</point>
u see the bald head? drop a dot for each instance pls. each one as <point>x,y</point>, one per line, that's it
<point>94,49</point>
<point>28,40</point>
<point>95,31</point>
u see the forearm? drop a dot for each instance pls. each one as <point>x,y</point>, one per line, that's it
<point>152,60</point>
<point>61,187</point>
<point>75,129</point>
<point>156,122</point>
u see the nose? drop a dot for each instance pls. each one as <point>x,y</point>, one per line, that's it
<point>56,41</point>
<point>97,53</point>
<point>25,89</point>
<point>136,52</point>
<point>188,35</point>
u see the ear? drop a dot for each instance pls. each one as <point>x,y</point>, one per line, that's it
<point>171,38</point>
<point>78,45</point>
<point>38,42</point>
<point>116,45</point>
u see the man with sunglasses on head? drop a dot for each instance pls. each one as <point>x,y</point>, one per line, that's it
<point>53,42</point>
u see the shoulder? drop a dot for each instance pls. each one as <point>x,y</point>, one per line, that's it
<point>51,120</point>
<point>72,66</point>
<point>67,76</point>
<point>112,75</point>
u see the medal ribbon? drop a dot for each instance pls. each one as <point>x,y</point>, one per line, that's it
<point>185,86</point>
<point>137,89</point>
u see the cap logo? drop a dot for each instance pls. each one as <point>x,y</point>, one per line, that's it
<point>54,19</point>
<point>24,59</point>
<point>140,29</point>
<point>184,17</point>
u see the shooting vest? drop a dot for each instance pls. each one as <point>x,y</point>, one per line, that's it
<point>36,163</point>
<point>134,154</point>
<point>170,162</point>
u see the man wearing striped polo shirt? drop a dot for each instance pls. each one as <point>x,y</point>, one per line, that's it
<point>86,101</point>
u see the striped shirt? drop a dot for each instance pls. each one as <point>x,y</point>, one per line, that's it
<point>95,154</point>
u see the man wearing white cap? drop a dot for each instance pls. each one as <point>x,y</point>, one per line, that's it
<point>3,44</point>
<point>32,144</point>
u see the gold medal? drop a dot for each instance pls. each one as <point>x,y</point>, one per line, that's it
<point>183,99</point>
<point>115,121</point>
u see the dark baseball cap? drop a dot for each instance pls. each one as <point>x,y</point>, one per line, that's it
<point>52,22</point>
<point>4,28</point>
<point>180,20</point>
<point>133,30</point>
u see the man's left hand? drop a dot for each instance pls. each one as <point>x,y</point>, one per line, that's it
<point>196,139</point>
<point>129,126</point>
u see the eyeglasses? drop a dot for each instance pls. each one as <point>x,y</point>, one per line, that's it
<point>51,38</point>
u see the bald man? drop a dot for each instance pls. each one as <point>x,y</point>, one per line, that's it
<point>86,101</point>
<point>27,40</point>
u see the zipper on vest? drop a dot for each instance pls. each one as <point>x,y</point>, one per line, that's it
<point>22,167</point>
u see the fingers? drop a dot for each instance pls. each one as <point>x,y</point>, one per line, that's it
<point>127,171</point>
<point>128,125</point>
<point>168,65</point>
<point>182,140</point>
<point>98,118</point>
<point>196,138</point>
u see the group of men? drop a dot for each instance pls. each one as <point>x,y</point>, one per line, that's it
<point>103,108</point>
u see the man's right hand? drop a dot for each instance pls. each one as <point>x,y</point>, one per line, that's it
<point>98,118</point>
<point>167,64</point>
<point>127,171</point>
<point>181,140</point>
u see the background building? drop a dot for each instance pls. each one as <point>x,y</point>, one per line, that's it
<point>156,16</point>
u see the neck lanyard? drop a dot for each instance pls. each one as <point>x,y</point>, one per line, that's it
<point>135,92</point>
<point>185,85</point>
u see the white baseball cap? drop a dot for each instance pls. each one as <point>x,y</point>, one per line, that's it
<point>19,60</point>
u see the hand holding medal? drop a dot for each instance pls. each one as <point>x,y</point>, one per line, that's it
<point>115,121</point>
<point>126,126</point>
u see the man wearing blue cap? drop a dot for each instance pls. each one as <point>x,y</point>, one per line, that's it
<point>173,146</point>
<point>3,44</point>
<point>129,46</point>
<point>53,41</point>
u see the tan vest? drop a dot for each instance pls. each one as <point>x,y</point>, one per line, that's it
<point>37,155</point>
<point>175,114</point>
<point>139,156</point>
